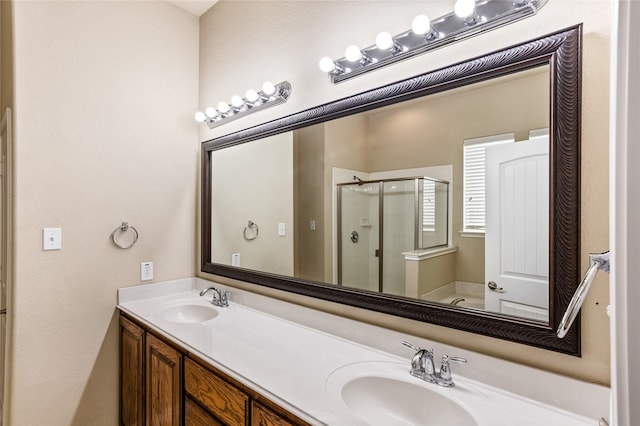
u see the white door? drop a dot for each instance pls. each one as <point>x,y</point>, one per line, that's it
<point>517,229</point>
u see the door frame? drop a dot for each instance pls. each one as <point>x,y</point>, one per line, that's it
<point>624,201</point>
<point>7,247</point>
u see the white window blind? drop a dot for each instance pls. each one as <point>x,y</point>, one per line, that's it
<point>428,205</point>
<point>474,179</point>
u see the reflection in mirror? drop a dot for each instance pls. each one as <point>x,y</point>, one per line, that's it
<point>380,222</point>
<point>432,199</point>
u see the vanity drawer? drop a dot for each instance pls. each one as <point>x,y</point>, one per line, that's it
<point>263,416</point>
<point>223,400</point>
<point>195,415</point>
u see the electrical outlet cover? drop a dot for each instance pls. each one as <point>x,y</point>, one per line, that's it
<point>146,271</point>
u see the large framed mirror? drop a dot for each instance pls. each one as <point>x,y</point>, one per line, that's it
<point>451,198</point>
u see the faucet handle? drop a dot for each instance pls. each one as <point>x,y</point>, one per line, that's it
<point>422,363</point>
<point>409,345</point>
<point>445,378</point>
<point>225,297</point>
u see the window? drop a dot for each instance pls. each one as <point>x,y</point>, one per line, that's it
<point>474,180</point>
<point>428,205</point>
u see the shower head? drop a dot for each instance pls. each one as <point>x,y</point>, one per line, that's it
<point>357,178</point>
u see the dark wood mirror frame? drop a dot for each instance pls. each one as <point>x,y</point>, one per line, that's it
<point>562,52</point>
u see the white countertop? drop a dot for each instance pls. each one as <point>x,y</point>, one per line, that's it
<point>293,364</point>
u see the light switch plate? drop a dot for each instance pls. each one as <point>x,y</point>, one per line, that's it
<point>282,229</point>
<point>52,239</point>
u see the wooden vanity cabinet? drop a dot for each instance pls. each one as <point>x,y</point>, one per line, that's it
<point>164,385</point>
<point>150,379</point>
<point>227,401</point>
<point>163,371</point>
<point>131,373</point>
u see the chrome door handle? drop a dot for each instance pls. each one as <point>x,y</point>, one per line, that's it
<point>494,287</point>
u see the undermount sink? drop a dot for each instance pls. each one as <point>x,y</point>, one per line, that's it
<point>189,313</point>
<point>384,393</point>
<point>386,401</point>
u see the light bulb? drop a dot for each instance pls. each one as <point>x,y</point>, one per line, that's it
<point>224,107</point>
<point>421,25</point>
<point>210,112</point>
<point>464,8</point>
<point>200,117</point>
<point>268,88</point>
<point>237,101</point>
<point>252,95</point>
<point>327,64</point>
<point>353,53</point>
<point>384,41</point>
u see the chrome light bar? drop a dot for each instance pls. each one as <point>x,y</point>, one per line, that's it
<point>270,95</point>
<point>466,21</point>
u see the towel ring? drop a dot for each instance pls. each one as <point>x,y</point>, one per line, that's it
<point>253,229</point>
<point>124,228</point>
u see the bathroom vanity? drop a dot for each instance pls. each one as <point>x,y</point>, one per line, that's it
<point>185,361</point>
<point>162,383</point>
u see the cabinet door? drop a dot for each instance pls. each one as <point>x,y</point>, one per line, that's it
<point>163,383</point>
<point>131,374</point>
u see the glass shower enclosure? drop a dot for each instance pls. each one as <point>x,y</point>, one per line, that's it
<point>379,221</point>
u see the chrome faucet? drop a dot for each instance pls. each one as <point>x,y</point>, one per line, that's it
<point>422,366</point>
<point>220,297</point>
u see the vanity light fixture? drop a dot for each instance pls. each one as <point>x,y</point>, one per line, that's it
<point>466,9</point>
<point>270,95</point>
<point>470,17</point>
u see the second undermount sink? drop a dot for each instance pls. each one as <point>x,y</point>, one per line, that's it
<point>381,400</point>
<point>189,313</point>
<point>384,393</point>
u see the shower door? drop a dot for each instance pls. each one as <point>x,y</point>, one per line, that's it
<point>400,210</point>
<point>359,235</point>
<point>379,221</point>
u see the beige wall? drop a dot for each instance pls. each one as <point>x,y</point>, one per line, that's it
<point>254,182</point>
<point>104,99</point>
<point>309,192</point>
<point>232,61</point>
